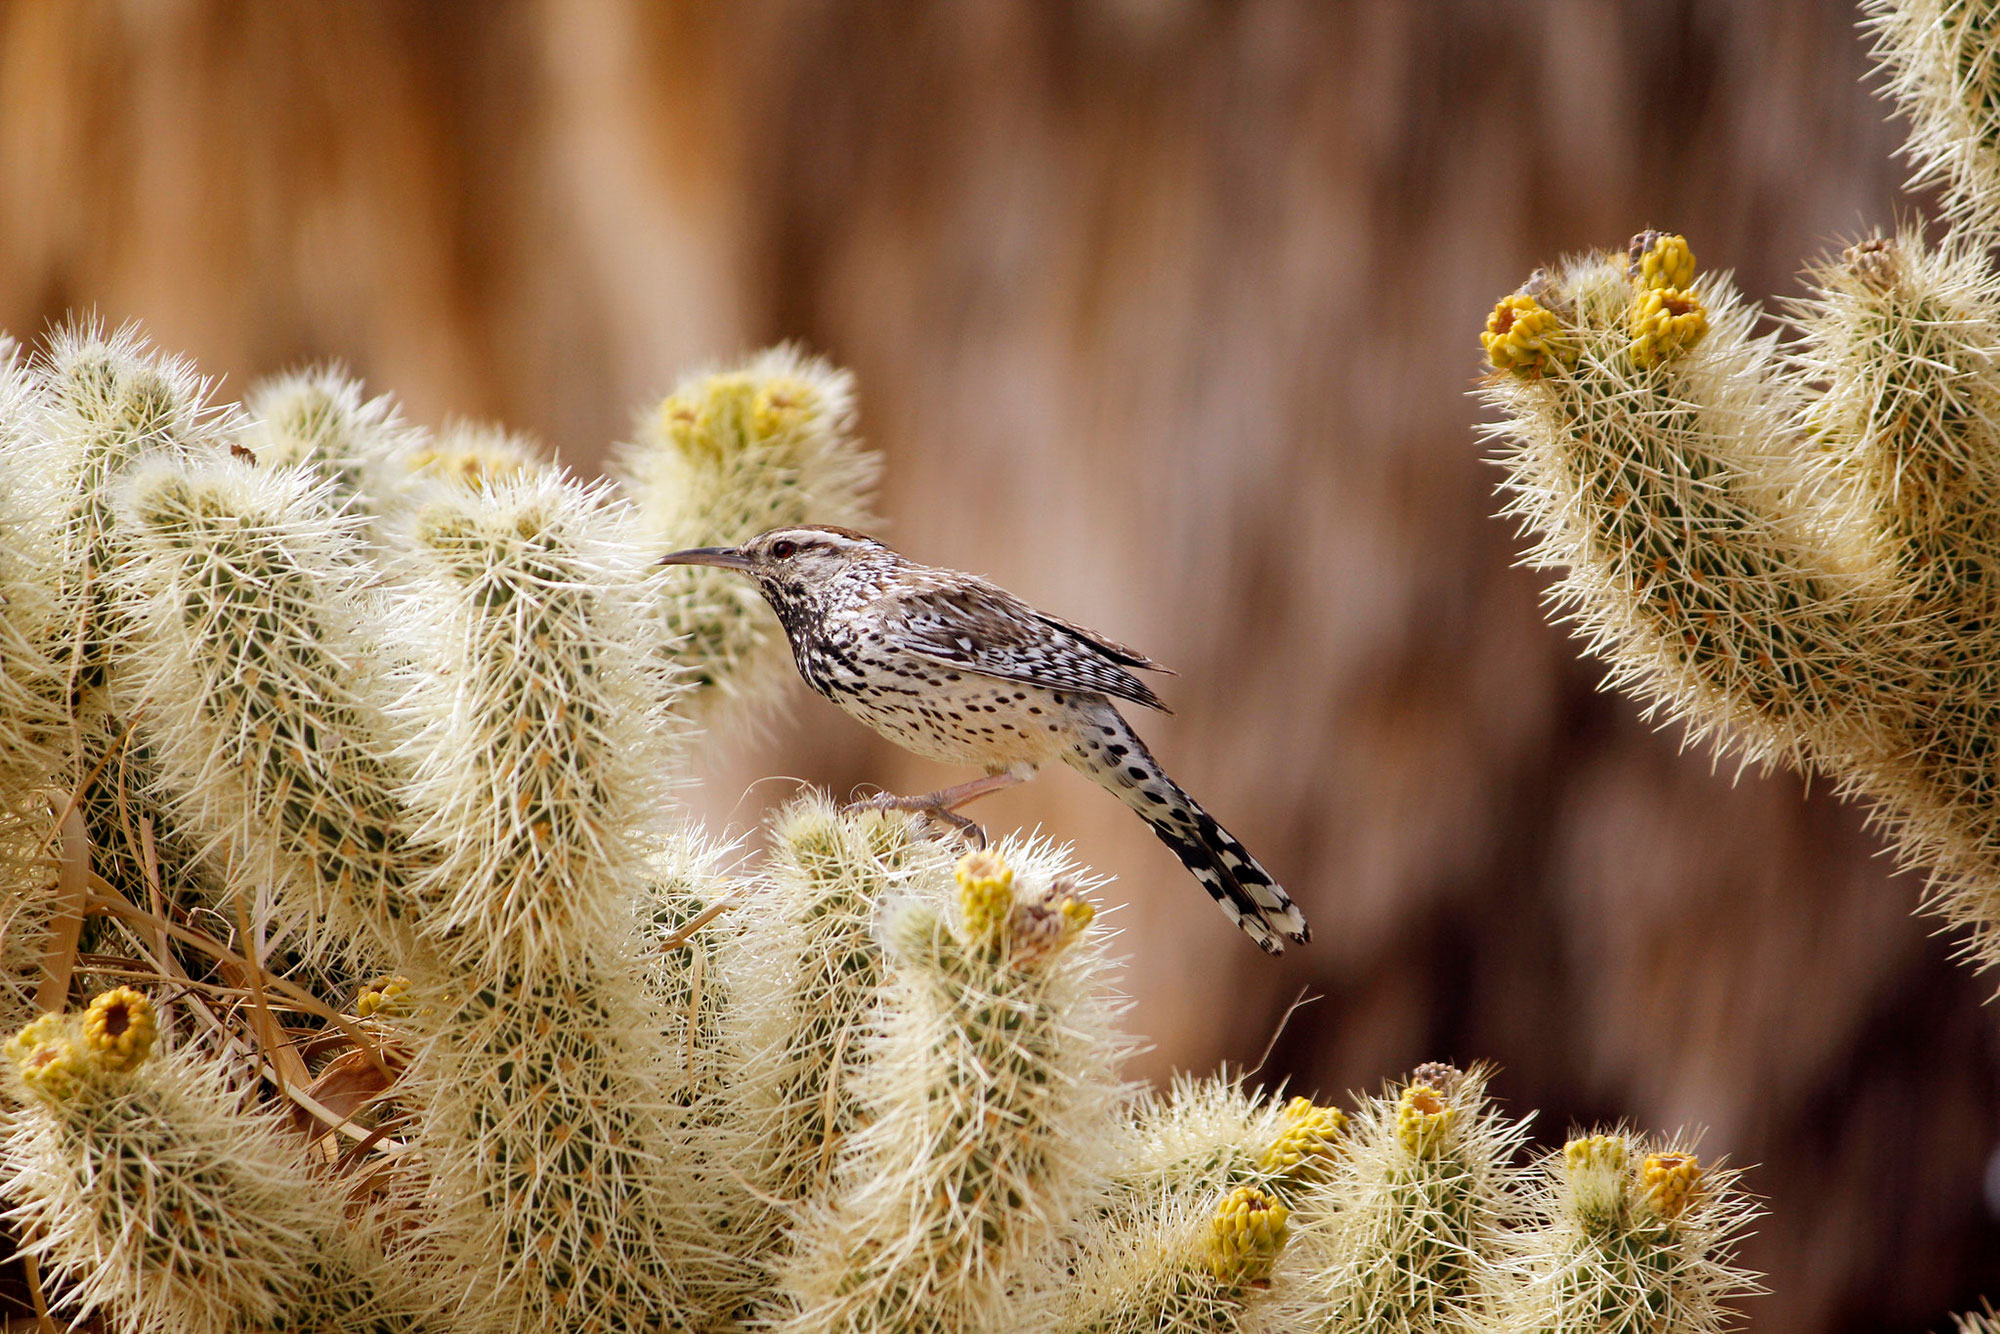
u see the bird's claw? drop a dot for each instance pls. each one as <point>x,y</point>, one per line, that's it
<point>932,806</point>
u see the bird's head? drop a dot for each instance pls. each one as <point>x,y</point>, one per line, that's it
<point>794,566</point>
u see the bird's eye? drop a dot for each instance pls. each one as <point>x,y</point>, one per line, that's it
<point>784,547</point>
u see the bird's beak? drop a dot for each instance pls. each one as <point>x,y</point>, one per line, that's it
<point>723,558</point>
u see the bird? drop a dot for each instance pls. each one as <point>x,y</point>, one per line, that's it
<point>954,668</point>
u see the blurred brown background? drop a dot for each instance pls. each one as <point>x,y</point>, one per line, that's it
<point>1164,315</point>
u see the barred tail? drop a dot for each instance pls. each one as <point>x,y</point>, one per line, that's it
<point>1113,756</point>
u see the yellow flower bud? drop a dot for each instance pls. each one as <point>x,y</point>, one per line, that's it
<point>715,418</point>
<point>985,896</point>
<point>1597,1170</point>
<point>1308,1144</point>
<point>384,997</point>
<point>46,1028</point>
<point>472,463</point>
<point>784,403</point>
<point>119,1029</point>
<point>54,1068</point>
<point>1245,1235</point>
<point>1659,260</point>
<point>1668,1181</point>
<point>1077,914</point>
<point>1423,1118</point>
<point>1523,336</point>
<point>1664,323</point>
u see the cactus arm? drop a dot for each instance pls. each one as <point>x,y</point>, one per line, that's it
<point>255,667</point>
<point>1650,467</point>
<point>727,455</point>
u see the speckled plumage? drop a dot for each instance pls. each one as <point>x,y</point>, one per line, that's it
<point>952,667</point>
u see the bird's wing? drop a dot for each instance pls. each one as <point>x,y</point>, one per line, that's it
<point>974,626</point>
<point>1110,648</point>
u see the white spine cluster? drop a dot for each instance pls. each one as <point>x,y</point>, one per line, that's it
<point>1942,59</point>
<point>34,697</point>
<point>322,419</point>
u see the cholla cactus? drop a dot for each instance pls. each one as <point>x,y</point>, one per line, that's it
<point>359,743</point>
<point>830,877</point>
<point>1631,1238</point>
<point>1943,62</point>
<point>152,1191</point>
<point>729,454</point>
<point>538,762</point>
<point>101,405</point>
<point>1204,1190</point>
<point>992,1063</point>
<point>250,670</point>
<point>321,419</point>
<point>1414,1215</point>
<point>1794,547</point>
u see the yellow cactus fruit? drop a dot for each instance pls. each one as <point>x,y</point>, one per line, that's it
<point>43,1029</point>
<point>1667,1181</point>
<point>1596,1152</point>
<point>1664,323</point>
<point>724,410</point>
<point>1597,1168</point>
<point>54,1068</point>
<point>985,895</point>
<point>466,466</point>
<point>715,416</point>
<point>383,997</point>
<point>475,457</point>
<point>1077,913</point>
<point>1422,1120</point>
<point>1307,1145</point>
<point>119,1029</point>
<point>783,403</point>
<point>1660,260</point>
<point>1523,336</point>
<point>1245,1235</point>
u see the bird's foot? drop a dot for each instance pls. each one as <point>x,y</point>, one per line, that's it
<point>930,807</point>
<point>943,804</point>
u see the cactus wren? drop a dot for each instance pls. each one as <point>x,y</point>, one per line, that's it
<point>953,668</point>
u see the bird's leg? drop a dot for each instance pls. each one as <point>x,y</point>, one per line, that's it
<point>943,804</point>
